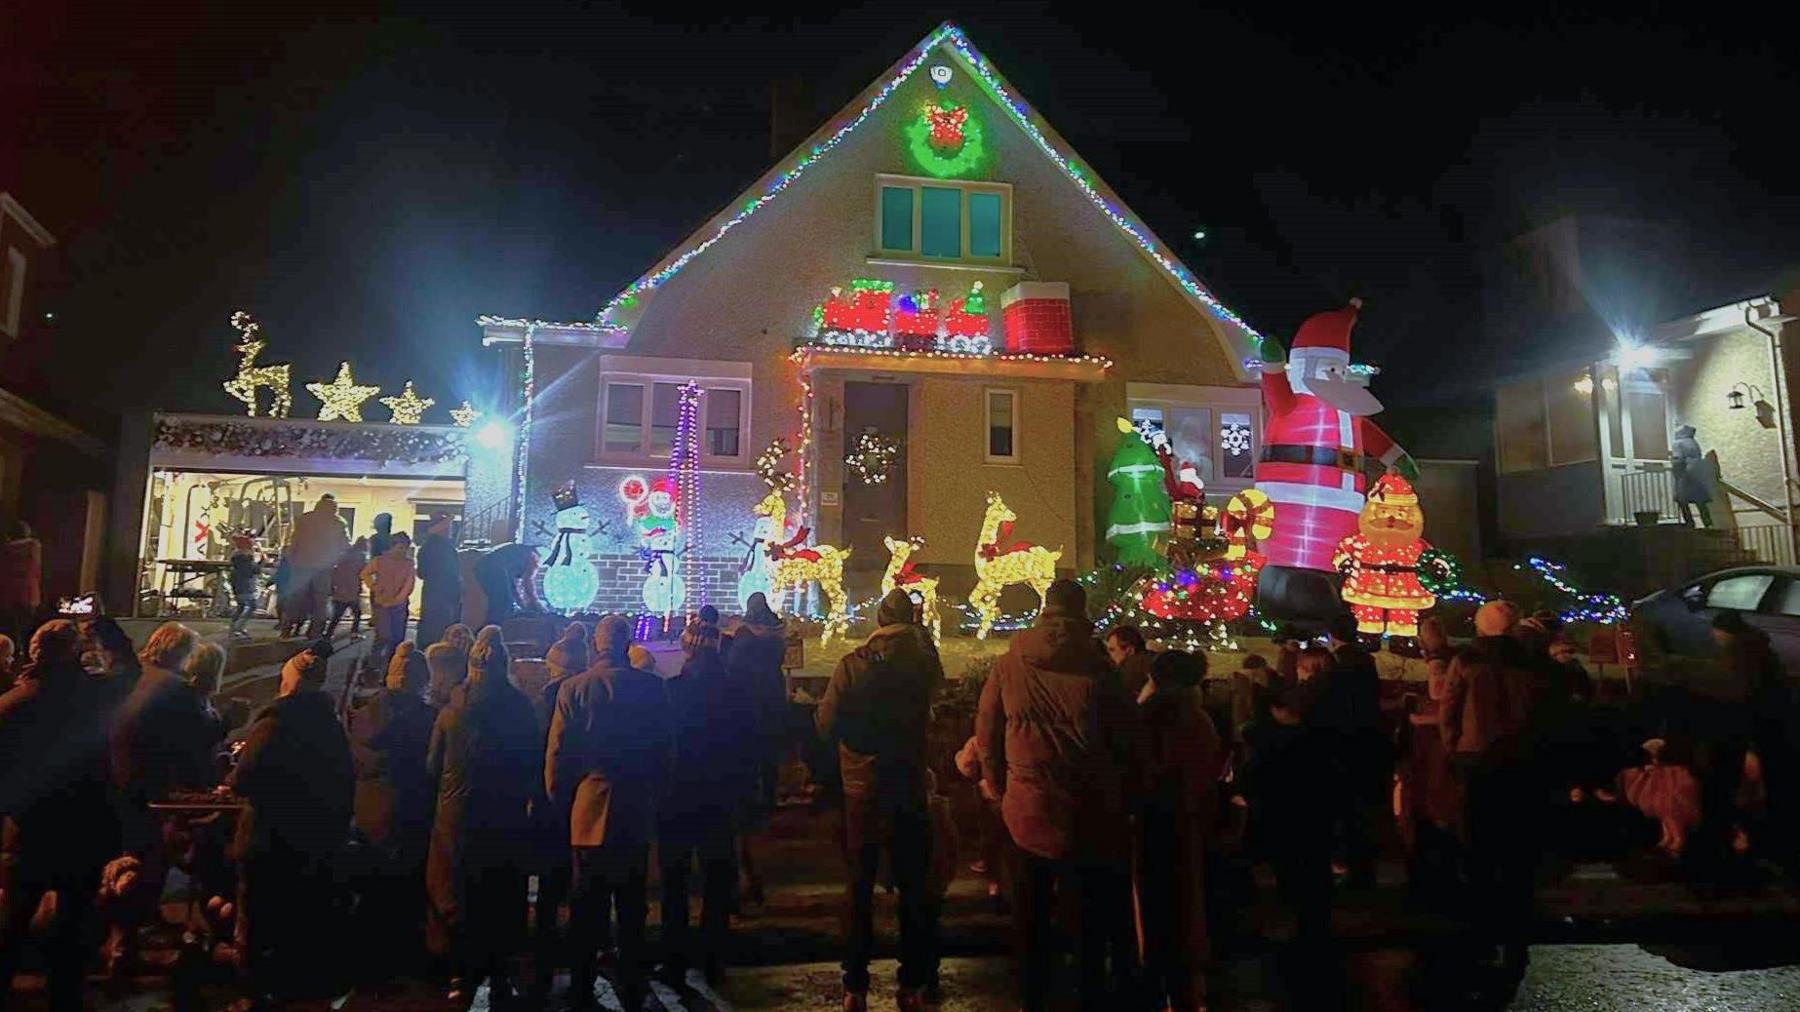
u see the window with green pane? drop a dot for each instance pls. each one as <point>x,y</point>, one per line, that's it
<point>940,221</point>
<point>984,224</point>
<point>897,218</point>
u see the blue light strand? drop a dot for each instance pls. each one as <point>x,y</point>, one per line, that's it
<point>1021,115</point>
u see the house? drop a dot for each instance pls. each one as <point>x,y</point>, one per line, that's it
<point>52,472</point>
<point>1582,435</point>
<point>930,299</point>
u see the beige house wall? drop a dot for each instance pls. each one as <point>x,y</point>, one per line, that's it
<point>750,298</point>
<point>1749,453</point>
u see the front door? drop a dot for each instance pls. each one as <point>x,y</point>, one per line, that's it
<point>874,499</point>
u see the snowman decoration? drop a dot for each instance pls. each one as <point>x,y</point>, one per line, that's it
<point>654,517</point>
<point>570,579</point>
<point>753,575</point>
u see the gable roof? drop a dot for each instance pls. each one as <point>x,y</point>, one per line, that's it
<point>614,316</point>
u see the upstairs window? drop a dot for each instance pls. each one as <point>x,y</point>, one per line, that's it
<point>1002,426</point>
<point>929,219</point>
<point>640,409</point>
<point>1216,429</point>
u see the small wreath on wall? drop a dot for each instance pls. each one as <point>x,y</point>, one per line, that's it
<point>872,458</point>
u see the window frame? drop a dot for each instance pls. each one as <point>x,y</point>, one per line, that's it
<point>987,426</point>
<point>917,184</point>
<point>1217,401</point>
<point>647,373</point>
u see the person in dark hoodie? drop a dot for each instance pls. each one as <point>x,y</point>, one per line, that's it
<point>484,756</point>
<point>440,603</point>
<point>53,785</point>
<point>877,708</point>
<point>1347,708</point>
<point>1058,744</point>
<point>389,735</point>
<point>696,820</point>
<point>297,777</point>
<point>565,659</point>
<point>753,665</point>
<point>606,765</point>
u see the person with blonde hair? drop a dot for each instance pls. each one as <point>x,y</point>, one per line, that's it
<point>169,646</point>
<point>156,739</point>
<point>389,735</point>
<point>448,663</point>
<point>485,755</point>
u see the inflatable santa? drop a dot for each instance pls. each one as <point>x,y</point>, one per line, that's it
<point>1317,440</point>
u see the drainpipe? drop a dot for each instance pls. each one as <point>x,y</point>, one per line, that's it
<point>1778,377</point>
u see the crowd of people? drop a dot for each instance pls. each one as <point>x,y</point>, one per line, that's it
<point>1110,785</point>
<point>427,808</point>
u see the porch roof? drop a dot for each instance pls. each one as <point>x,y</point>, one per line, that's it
<point>1078,368</point>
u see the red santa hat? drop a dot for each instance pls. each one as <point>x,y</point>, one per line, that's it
<point>1330,329</point>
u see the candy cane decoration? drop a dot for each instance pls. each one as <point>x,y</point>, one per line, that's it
<point>1249,518</point>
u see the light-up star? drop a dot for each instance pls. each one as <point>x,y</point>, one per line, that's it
<point>342,397</point>
<point>464,416</point>
<point>406,408</point>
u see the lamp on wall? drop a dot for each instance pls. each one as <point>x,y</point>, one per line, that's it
<point>1765,412</point>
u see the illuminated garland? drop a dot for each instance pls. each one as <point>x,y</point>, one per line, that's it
<point>768,465</point>
<point>872,458</point>
<point>522,446</point>
<point>807,350</point>
<point>945,140</point>
<point>803,453</point>
<point>684,469</point>
<point>1601,608</point>
<point>1021,114</point>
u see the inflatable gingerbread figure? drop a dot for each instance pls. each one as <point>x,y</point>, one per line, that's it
<point>1380,562</point>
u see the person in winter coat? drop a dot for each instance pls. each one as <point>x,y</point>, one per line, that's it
<point>565,659</point>
<point>347,588</point>
<point>696,820</point>
<point>606,765</point>
<point>1437,651</point>
<point>504,573</point>
<point>484,757</point>
<point>753,664</point>
<point>1183,757</point>
<point>1347,707</point>
<point>390,578</point>
<point>440,603</point>
<point>290,598</point>
<point>390,733</point>
<point>877,708</point>
<point>1290,807</point>
<point>1130,657</point>
<point>1693,475</point>
<point>1741,694</point>
<point>448,663</point>
<point>382,537</point>
<point>53,785</point>
<point>157,739</point>
<point>296,777</point>
<point>1484,719</point>
<point>1058,742</point>
<point>317,541</point>
<point>243,577</point>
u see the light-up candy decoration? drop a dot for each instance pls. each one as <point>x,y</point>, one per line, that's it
<point>658,536</point>
<point>570,579</point>
<point>857,318</point>
<point>1218,588</point>
<point>1001,562</point>
<point>792,564</point>
<point>966,325</point>
<point>900,573</point>
<point>1313,453</point>
<point>916,320</point>
<point>1380,562</point>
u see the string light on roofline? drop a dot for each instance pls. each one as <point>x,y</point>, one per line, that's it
<point>1020,114</point>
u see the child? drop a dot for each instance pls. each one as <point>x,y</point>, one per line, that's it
<point>346,588</point>
<point>243,583</point>
<point>389,578</point>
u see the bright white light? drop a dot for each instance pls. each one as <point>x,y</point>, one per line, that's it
<point>493,435</point>
<point>1199,233</point>
<point>1632,355</point>
<point>1584,386</point>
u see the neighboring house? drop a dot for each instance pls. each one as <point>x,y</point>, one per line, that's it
<point>935,268</point>
<point>51,470</point>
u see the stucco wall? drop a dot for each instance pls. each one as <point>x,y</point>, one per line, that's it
<point>1551,501</point>
<point>1749,454</point>
<point>750,299</point>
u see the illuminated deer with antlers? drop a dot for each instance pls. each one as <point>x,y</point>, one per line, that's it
<point>250,376</point>
<point>792,565</point>
<point>1000,562</point>
<point>900,574</point>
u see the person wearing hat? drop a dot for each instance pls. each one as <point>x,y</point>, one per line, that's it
<point>877,708</point>
<point>441,601</point>
<point>1693,476</point>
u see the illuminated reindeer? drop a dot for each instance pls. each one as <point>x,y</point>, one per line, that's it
<point>791,565</point>
<point>901,574</point>
<point>998,566</point>
<point>250,376</point>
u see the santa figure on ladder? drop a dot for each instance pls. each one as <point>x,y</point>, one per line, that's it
<point>1317,441</point>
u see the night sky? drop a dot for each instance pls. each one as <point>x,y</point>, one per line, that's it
<point>369,179</point>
